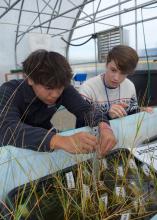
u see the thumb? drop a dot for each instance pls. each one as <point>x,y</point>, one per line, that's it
<point>123,104</point>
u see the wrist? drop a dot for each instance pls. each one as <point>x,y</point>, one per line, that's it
<point>56,142</point>
<point>104,126</point>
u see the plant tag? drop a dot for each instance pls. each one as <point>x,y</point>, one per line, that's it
<point>146,170</point>
<point>132,164</point>
<point>104,161</point>
<point>125,216</point>
<point>132,183</point>
<point>136,205</point>
<point>104,198</point>
<point>120,192</point>
<point>70,180</point>
<point>120,171</point>
<point>86,191</point>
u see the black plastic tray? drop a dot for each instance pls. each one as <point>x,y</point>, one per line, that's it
<point>46,197</point>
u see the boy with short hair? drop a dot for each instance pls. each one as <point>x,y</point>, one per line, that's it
<point>28,105</point>
<point>111,91</point>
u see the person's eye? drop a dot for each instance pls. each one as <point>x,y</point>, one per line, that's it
<point>48,88</point>
<point>113,70</point>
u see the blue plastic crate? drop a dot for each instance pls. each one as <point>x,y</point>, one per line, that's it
<point>80,77</point>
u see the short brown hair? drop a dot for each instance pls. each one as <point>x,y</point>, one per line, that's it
<point>125,58</point>
<point>50,69</point>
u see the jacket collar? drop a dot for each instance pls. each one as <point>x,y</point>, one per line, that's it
<point>29,94</point>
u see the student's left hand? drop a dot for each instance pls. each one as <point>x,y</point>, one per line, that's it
<point>106,140</point>
<point>117,110</point>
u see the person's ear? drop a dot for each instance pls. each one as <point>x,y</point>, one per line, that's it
<point>30,81</point>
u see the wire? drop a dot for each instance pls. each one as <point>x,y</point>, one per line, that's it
<point>149,75</point>
<point>95,47</point>
<point>147,7</point>
<point>76,45</point>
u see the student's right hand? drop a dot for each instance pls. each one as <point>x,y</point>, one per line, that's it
<point>117,110</point>
<point>81,143</point>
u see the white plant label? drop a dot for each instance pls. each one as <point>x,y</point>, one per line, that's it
<point>104,198</point>
<point>125,216</point>
<point>70,180</point>
<point>120,171</point>
<point>120,191</point>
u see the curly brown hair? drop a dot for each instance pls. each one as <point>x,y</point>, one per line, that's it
<point>50,69</point>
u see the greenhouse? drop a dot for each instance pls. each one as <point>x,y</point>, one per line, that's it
<point>78,109</point>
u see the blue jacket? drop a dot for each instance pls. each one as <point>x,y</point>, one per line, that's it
<point>25,119</point>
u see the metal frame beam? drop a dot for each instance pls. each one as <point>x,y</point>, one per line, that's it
<point>9,8</point>
<point>74,24</point>
<point>60,15</point>
<point>129,24</point>
<point>91,18</point>
<point>114,14</point>
<point>19,18</point>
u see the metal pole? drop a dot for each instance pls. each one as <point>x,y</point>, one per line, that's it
<point>8,9</point>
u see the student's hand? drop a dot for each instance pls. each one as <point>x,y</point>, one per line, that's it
<point>106,140</point>
<point>117,110</point>
<point>146,109</point>
<point>81,143</point>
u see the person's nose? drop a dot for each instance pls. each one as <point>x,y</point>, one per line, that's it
<point>117,77</point>
<point>54,94</point>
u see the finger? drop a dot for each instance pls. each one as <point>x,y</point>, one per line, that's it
<point>90,136</point>
<point>109,147</point>
<point>123,104</point>
<point>120,109</point>
<point>149,109</point>
<point>105,150</point>
<point>87,145</point>
<point>90,140</point>
<point>113,114</point>
<point>80,151</point>
<point>106,147</point>
<point>99,150</point>
<point>84,142</point>
<point>91,145</point>
<point>89,148</point>
<point>117,113</point>
<point>77,145</point>
<point>120,104</point>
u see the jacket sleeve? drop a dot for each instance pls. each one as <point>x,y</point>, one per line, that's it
<point>13,131</point>
<point>85,112</point>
